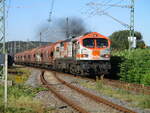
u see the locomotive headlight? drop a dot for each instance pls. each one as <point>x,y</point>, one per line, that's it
<point>106,55</point>
<point>84,51</point>
<point>84,55</point>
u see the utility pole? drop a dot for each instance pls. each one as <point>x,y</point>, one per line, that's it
<point>5,83</point>
<point>14,52</point>
<point>51,11</point>
<point>132,19</point>
<point>11,46</point>
<point>27,46</point>
<point>67,27</point>
<point>19,48</point>
<point>3,71</point>
<point>8,47</point>
<point>40,44</point>
<point>2,34</point>
<point>131,22</point>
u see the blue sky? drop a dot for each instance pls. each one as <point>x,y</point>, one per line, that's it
<point>26,16</point>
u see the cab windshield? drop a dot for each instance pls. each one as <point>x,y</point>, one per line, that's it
<point>95,42</point>
<point>88,42</point>
<point>101,42</point>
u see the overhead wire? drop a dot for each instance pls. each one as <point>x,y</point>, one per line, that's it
<point>97,11</point>
<point>107,14</point>
<point>107,2</point>
<point>104,2</point>
<point>110,6</point>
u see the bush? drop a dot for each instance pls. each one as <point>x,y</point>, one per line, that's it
<point>135,65</point>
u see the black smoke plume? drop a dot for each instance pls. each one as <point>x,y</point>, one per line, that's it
<point>61,29</point>
<point>72,27</point>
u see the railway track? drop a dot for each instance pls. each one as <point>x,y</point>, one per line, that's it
<point>61,97</point>
<point>138,88</point>
<point>85,93</point>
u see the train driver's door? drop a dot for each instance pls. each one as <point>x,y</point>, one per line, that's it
<point>74,49</point>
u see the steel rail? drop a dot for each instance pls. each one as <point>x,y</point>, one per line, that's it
<point>95,98</point>
<point>61,97</point>
<point>106,80</point>
<point>138,88</point>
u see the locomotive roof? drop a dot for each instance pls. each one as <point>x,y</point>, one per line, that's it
<point>67,40</point>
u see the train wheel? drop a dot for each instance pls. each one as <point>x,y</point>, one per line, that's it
<point>72,69</point>
<point>78,70</point>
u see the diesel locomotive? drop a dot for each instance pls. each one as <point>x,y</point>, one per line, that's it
<point>88,54</point>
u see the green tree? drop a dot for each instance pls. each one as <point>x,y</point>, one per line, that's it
<point>120,39</point>
<point>140,44</point>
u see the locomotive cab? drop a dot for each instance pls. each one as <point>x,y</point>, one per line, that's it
<point>93,47</point>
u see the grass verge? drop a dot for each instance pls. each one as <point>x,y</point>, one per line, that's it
<point>21,97</point>
<point>135,100</point>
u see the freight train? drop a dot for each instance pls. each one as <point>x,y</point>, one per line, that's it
<point>88,54</point>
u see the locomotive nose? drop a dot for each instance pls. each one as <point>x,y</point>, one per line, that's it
<point>96,52</point>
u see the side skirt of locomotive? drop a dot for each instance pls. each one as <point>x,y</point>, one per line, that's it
<point>83,68</point>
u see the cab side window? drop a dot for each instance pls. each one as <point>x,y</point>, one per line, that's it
<point>57,49</point>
